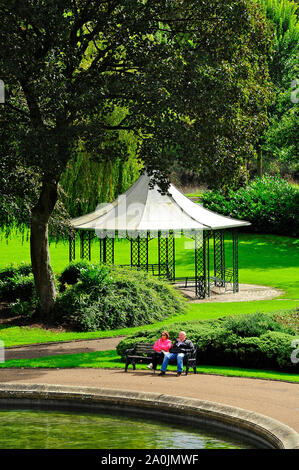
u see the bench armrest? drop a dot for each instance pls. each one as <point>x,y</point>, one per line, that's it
<point>131,350</point>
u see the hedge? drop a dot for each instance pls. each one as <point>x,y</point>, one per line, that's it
<point>16,283</point>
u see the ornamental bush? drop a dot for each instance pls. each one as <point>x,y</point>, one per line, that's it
<point>110,297</point>
<point>255,324</point>
<point>71,273</point>
<point>16,283</point>
<point>12,270</point>
<point>269,203</point>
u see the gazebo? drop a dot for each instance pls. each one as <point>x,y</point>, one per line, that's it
<point>143,213</point>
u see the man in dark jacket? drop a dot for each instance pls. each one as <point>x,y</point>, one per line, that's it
<point>177,352</point>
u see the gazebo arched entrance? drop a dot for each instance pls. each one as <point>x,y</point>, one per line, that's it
<point>215,265</point>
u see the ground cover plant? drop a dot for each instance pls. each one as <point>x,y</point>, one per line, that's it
<point>108,297</point>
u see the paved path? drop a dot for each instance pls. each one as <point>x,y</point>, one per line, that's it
<point>63,347</point>
<point>278,400</point>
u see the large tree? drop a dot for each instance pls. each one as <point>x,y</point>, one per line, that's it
<point>191,76</point>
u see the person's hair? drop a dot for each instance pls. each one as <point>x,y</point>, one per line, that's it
<point>183,333</point>
<point>166,333</point>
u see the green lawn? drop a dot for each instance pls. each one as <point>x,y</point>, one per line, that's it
<point>110,359</point>
<point>263,259</point>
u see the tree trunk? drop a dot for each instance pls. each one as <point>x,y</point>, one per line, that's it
<point>39,248</point>
<point>259,162</point>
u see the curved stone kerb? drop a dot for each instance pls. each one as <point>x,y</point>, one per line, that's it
<point>250,424</point>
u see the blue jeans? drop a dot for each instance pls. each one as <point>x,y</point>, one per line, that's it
<point>179,357</point>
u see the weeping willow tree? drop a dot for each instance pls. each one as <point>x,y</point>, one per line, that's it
<point>95,177</point>
<point>99,172</point>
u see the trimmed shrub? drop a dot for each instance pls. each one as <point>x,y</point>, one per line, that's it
<point>269,203</point>
<point>110,297</point>
<point>17,287</point>
<point>10,271</point>
<point>255,324</point>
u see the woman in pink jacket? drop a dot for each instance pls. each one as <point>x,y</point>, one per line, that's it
<point>162,344</point>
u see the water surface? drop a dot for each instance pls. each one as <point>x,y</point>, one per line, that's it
<point>47,429</point>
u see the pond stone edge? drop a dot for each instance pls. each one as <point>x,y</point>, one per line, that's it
<point>262,430</point>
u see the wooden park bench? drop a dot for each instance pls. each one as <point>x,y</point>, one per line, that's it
<point>144,353</point>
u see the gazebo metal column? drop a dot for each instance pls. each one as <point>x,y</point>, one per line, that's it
<point>139,252</point>
<point>166,256</point>
<point>219,258</point>
<point>235,261</point>
<point>85,244</point>
<point>202,265</point>
<point>72,247</point>
<point>107,250</point>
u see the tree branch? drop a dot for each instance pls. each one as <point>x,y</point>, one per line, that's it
<point>24,113</point>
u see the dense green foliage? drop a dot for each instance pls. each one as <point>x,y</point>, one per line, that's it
<point>16,283</point>
<point>89,181</point>
<point>71,274</point>
<point>12,270</point>
<point>256,340</point>
<point>269,203</point>
<point>280,142</point>
<point>103,297</point>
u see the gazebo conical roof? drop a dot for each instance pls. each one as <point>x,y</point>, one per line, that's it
<point>142,209</point>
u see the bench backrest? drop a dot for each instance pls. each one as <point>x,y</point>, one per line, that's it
<point>143,348</point>
<point>147,348</point>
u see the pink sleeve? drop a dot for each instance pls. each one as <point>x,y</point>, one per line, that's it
<point>157,346</point>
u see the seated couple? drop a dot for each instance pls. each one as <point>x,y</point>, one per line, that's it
<point>177,351</point>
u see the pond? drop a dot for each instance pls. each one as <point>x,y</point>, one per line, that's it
<point>48,429</point>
